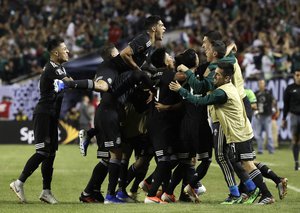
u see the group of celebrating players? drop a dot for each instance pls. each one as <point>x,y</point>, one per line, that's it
<point>158,107</point>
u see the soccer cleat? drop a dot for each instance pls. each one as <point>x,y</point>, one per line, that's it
<point>47,197</point>
<point>87,199</point>
<point>112,199</point>
<point>191,193</point>
<point>159,193</point>
<point>133,195</point>
<point>282,188</point>
<point>154,200</point>
<point>18,190</point>
<point>84,142</point>
<point>244,197</point>
<point>252,196</point>
<point>266,200</point>
<point>124,197</point>
<point>185,198</point>
<point>168,198</point>
<point>59,85</point>
<point>200,190</point>
<point>144,186</point>
<point>96,197</point>
<point>232,200</point>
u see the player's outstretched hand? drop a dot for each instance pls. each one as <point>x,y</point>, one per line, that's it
<point>175,86</point>
<point>59,85</point>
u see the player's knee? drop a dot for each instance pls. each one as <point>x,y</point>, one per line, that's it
<point>45,153</point>
<point>248,166</point>
<point>206,161</point>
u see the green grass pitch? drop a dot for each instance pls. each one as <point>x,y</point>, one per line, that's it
<point>72,172</point>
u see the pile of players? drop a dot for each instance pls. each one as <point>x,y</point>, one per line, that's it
<point>159,109</point>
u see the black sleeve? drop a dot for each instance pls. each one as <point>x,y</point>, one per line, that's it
<point>140,44</point>
<point>56,73</point>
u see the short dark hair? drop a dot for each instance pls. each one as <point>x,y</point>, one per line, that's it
<point>228,69</point>
<point>158,58</point>
<point>213,35</point>
<point>105,51</point>
<point>219,47</point>
<point>151,21</point>
<point>53,42</point>
<point>187,58</point>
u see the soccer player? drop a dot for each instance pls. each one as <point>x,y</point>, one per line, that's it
<point>220,150</point>
<point>135,137</point>
<point>45,122</point>
<point>163,124</point>
<point>292,107</point>
<point>215,51</point>
<point>228,105</point>
<point>119,84</point>
<point>195,137</point>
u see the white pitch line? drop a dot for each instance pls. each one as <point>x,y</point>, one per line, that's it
<point>270,181</point>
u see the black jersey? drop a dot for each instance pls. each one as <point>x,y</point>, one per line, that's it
<point>141,47</point>
<point>164,95</point>
<point>291,100</point>
<point>50,101</point>
<point>107,71</point>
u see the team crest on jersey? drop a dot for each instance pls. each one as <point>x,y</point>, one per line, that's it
<point>109,80</point>
<point>118,140</point>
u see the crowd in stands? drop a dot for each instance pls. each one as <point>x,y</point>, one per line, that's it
<point>266,32</point>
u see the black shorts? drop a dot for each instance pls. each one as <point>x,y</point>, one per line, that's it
<point>107,123</point>
<point>140,144</point>
<point>45,132</point>
<point>102,152</point>
<point>242,151</point>
<point>163,132</point>
<point>196,140</point>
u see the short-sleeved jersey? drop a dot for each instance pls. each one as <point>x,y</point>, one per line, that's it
<point>50,102</point>
<point>164,94</point>
<point>108,71</point>
<point>141,47</point>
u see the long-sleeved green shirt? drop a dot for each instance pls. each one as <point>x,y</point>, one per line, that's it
<point>218,96</point>
<point>207,84</point>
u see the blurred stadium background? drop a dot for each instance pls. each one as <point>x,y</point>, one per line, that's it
<point>266,33</point>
